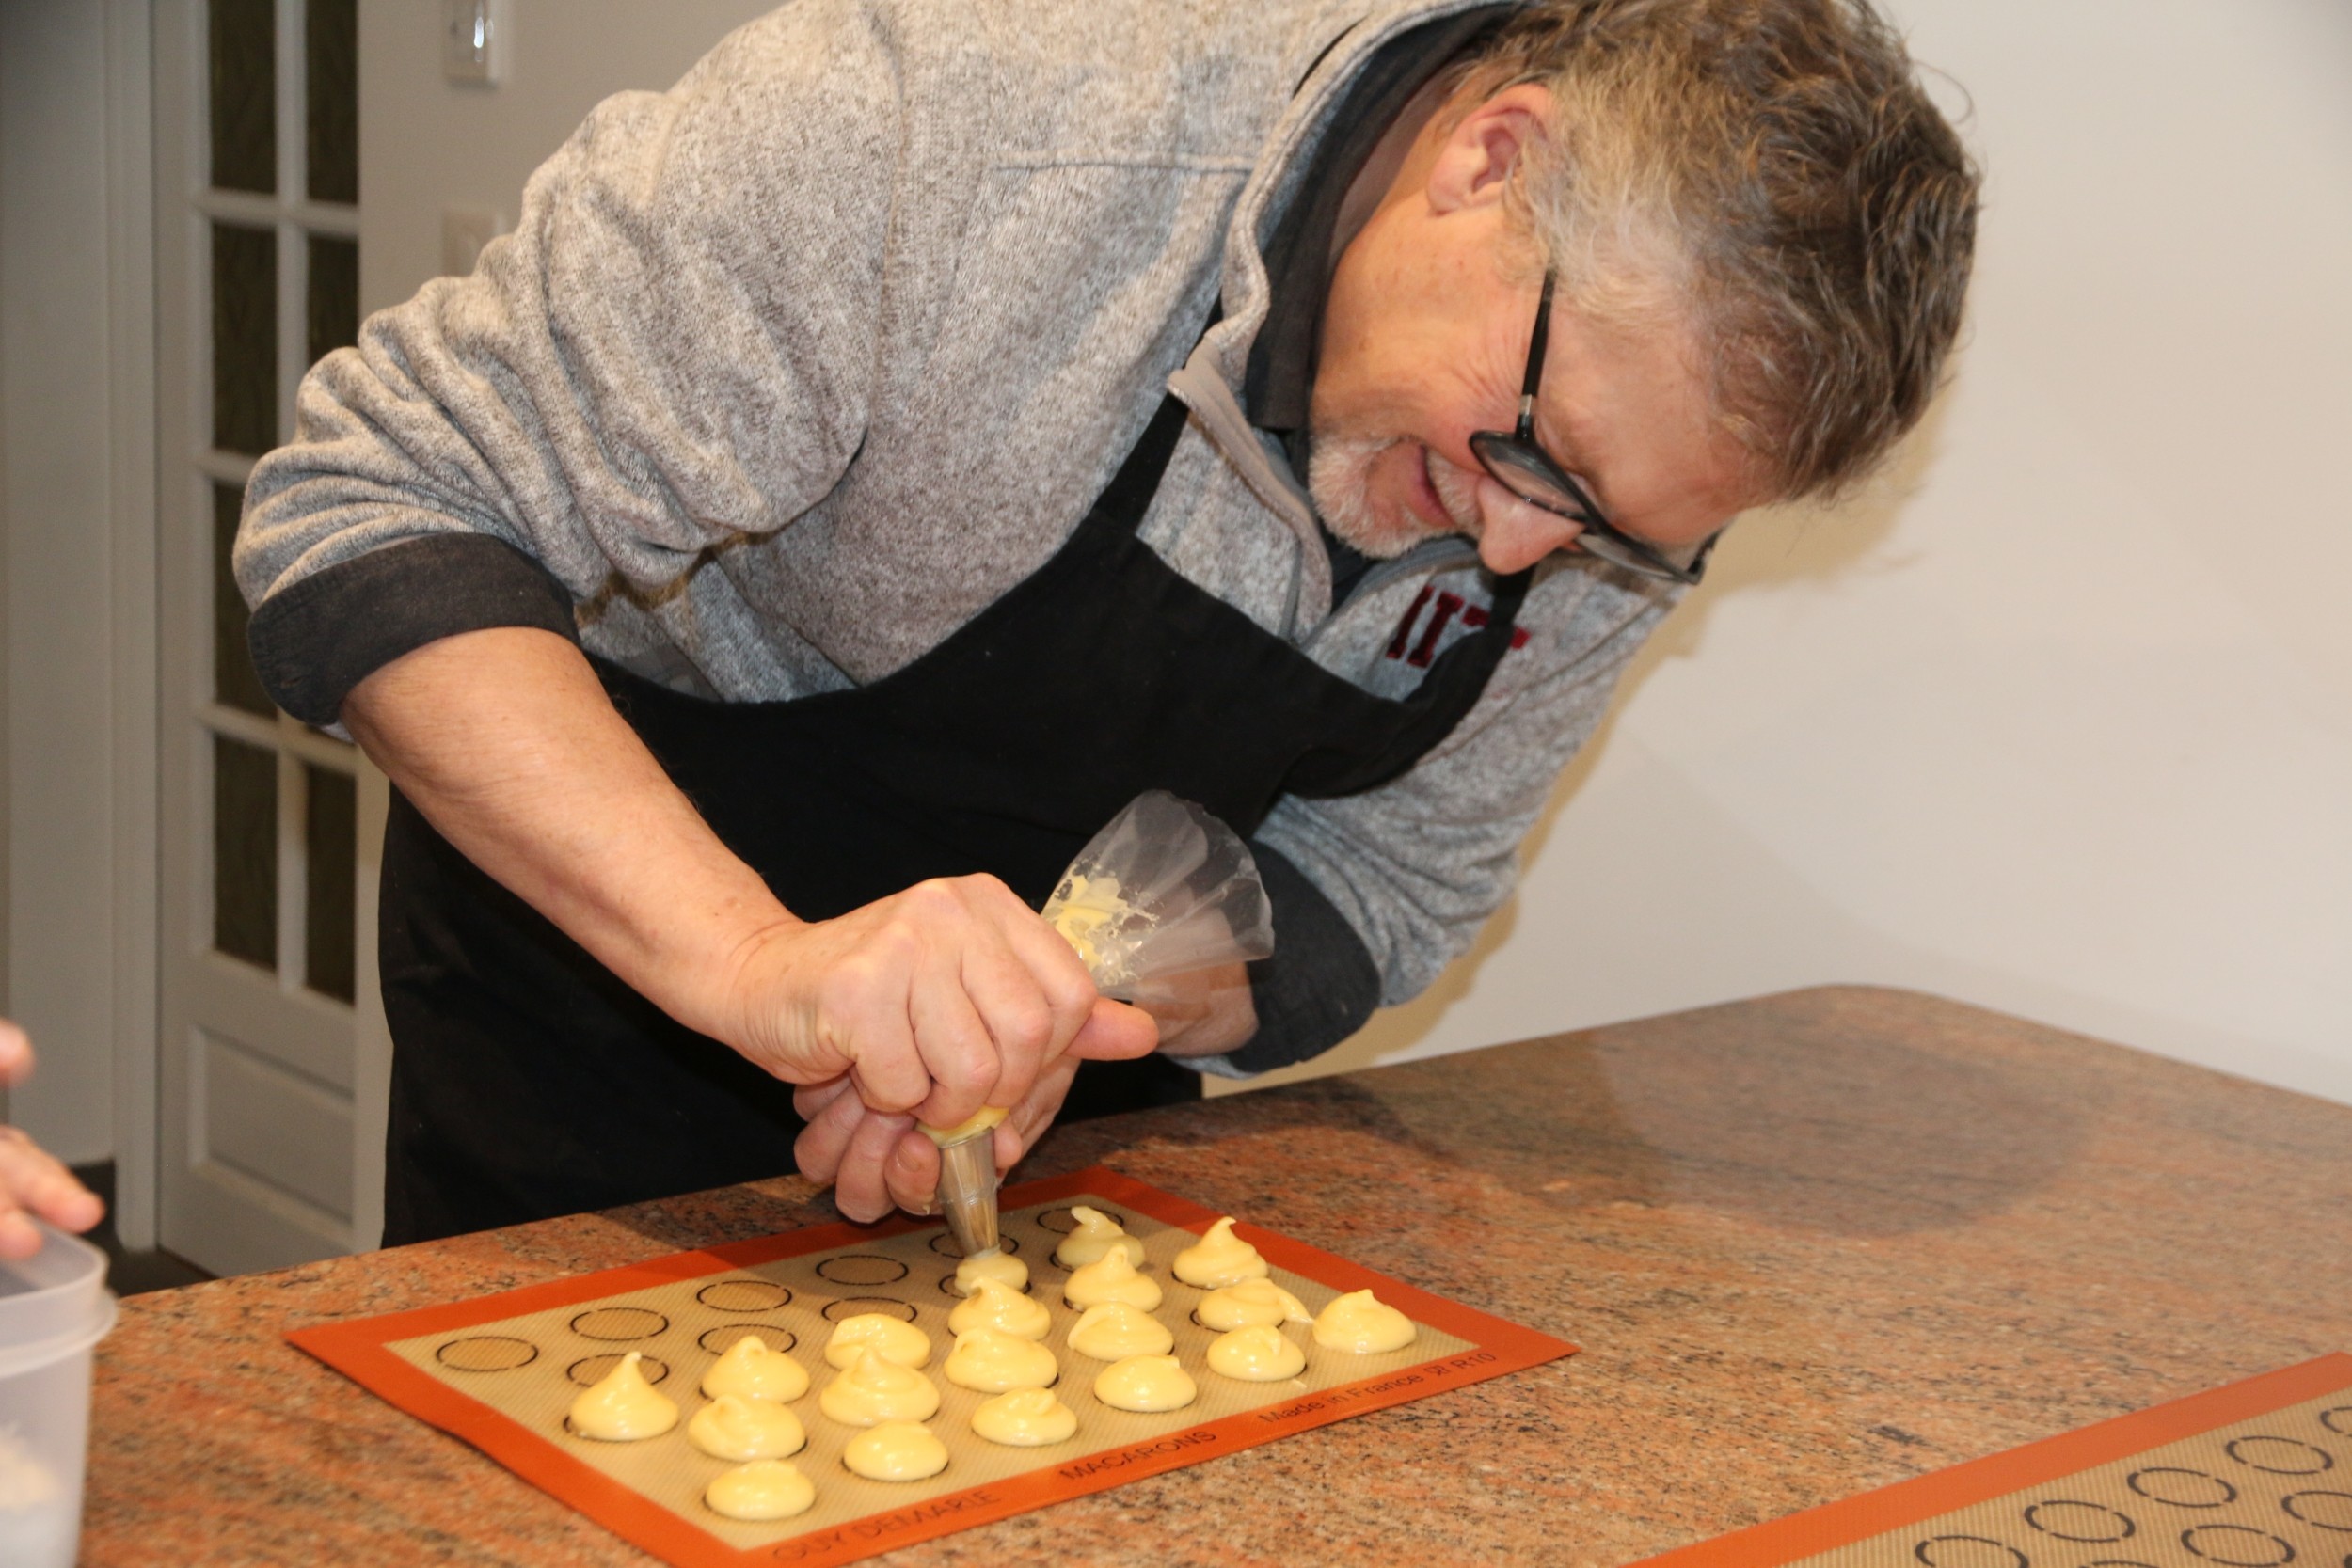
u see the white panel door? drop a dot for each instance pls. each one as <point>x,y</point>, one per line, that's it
<point>271,1041</point>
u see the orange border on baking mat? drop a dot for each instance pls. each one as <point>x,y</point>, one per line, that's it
<point>357,1349</point>
<point>1779,1541</point>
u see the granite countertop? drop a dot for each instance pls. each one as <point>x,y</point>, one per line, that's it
<point>1810,1243</point>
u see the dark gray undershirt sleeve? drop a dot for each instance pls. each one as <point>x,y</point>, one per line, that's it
<point>1320,987</point>
<point>320,637</point>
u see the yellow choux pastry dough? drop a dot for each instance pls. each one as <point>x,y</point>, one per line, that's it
<point>1003,1267</point>
<point>749,1370</point>
<point>979,1121</point>
<point>1113,1331</point>
<point>732,1427</point>
<point>1218,1258</point>
<point>623,1407</point>
<point>764,1489</point>
<point>1097,1233</point>
<point>995,1363</point>
<point>1025,1419</point>
<point>1111,1277</point>
<point>1089,912</point>
<point>1259,1353</point>
<point>894,1339</point>
<point>998,1305</point>
<point>873,1391</point>
<point>1362,1324</point>
<point>1146,1383</point>
<point>896,1451</point>
<point>1256,1301</point>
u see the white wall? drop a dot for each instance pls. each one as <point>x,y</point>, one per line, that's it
<point>54,369</point>
<point>2060,721</point>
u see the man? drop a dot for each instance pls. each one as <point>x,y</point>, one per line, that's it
<point>783,552</point>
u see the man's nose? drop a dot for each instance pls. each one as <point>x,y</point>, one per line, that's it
<point>1515,534</point>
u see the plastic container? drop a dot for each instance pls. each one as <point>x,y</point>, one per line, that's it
<point>55,1307</point>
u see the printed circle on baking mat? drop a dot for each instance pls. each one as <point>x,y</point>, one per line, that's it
<point>862,1268</point>
<point>589,1371</point>
<point>1061,1222</point>
<point>2338,1421</point>
<point>851,1306</point>
<point>1969,1551</point>
<point>2237,1546</point>
<point>719,1340</point>
<point>2069,1520</point>
<point>619,1323</point>
<point>487,1353</point>
<point>2181,1488</point>
<point>743,1295</point>
<point>943,1244</point>
<point>2279,1456</point>
<point>2119,1563</point>
<point>2323,1510</point>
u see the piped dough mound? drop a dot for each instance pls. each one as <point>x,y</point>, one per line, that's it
<point>874,1391</point>
<point>995,1363</point>
<point>1027,1418</point>
<point>764,1489</point>
<point>998,1305</point>
<point>1146,1383</point>
<point>894,1339</point>
<point>749,1370</point>
<point>623,1407</point>
<point>1112,1278</point>
<point>1096,1234</point>
<point>1003,1267</point>
<point>1361,1323</point>
<point>896,1451</point>
<point>1113,1331</point>
<point>1257,1301</point>
<point>1219,1258</point>
<point>731,1427</point>
<point>1259,1353</point>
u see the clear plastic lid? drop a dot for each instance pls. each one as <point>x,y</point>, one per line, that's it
<point>52,1302</point>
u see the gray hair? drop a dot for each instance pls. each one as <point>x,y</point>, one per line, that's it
<point>1770,172</point>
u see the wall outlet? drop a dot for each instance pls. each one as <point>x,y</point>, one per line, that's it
<point>464,231</point>
<point>474,40</point>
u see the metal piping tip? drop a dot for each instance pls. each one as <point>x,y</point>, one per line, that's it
<point>967,1192</point>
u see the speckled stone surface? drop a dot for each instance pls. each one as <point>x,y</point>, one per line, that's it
<point>1811,1243</point>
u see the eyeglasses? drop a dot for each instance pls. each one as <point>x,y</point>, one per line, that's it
<point>1529,472</point>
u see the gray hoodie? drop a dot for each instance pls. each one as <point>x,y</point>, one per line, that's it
<point>787,373</point>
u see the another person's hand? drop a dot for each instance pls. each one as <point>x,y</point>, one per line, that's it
<point>32,1181</point>
<point>931,1003</point>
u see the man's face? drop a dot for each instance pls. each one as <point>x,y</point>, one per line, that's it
<point>1424,341</point>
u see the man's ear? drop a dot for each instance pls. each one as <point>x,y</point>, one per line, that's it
<point>1473,164</point>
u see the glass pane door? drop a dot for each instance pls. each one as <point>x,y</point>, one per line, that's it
<point>267,962</point>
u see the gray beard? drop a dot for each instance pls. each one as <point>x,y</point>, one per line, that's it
<point>1339,476</point>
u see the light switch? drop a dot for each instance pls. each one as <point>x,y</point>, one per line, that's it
<point>473,40</point>
<point>464,231</point>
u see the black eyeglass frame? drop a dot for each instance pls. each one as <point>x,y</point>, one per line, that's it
<point>1506,453</point>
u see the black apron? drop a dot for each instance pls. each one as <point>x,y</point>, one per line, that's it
<point>528,1081</point>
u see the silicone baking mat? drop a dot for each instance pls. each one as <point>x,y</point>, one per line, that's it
<point>2255,1475</point>
<point>499,1372</point>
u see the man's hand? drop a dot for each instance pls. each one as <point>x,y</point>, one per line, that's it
<point>935,1002</point>
<point>1204,1013</point>
<point>32,1181</point>
<point>876,1162</point>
